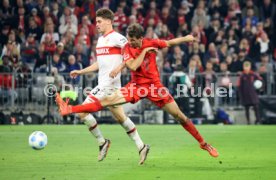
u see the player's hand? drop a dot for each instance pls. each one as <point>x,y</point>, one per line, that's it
<point>190,38</point>
<point>75,73</point>
<point>114,73</point>
<point>151,49</point>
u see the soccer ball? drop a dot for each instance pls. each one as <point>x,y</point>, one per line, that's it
<point>38,140</point>
<point>258,84</point>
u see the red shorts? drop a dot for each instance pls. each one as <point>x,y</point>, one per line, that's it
<point>155,92</point>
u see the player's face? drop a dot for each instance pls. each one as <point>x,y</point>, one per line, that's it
<point>103,24</point>
<point>134,42</point>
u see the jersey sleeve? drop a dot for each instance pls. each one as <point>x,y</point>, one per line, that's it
<point>126,54</point>
<point>121,41</point>
<point>159,43</point>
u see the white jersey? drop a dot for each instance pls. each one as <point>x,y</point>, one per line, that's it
<point>109,56</point>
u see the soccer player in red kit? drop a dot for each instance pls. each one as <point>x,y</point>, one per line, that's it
<point>140,57</point>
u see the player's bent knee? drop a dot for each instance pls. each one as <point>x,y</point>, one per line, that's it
<point>82,116</point>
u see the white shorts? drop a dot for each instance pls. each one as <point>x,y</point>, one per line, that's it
<point>99,92</point>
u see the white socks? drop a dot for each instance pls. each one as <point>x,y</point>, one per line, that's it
<point>128,125</point>
<point>130,128</point>
<point>91,123</point>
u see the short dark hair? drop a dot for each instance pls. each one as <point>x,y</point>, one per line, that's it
<point>135,30</point>
<point>105,13</point>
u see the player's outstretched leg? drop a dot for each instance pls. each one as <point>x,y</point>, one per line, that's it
<point>92,125</point>
<point>103,149</point>
<point>132,132</point>
<point>64,108</point>
<point>187,124</point>
<point>143,153</point>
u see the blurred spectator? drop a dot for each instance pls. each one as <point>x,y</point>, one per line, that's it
<point>36,17</point>
<point>120,19</point>
<point>81,54</point>
<point>82,38</point>
<point>168,16</point>
<point>89,28</point>
<point>73,65</point>
<point>4,34</point>
<point>213,29</point>
<point>250,4</point>
<point>179,86</point>
<point>219,37</point>
<point>49,45</point>
<point>58,63</point>
<point>212,55</point>
<point>200,16</point>
<point>6,11</point>
<point>63,54</point>
<point>268,10</point>
<point>73,8</point>
<point>230,64</point>
<point>209,78</point>
<point>265,68</point>
<point>165,34</point>
<point>58,79</point>
<point>151,19</point>
<point>11,50</point>
<point>264,43</point>
<point>178,57</point>
<point>6,65</point>
<point>68,41</point>
<point>138,14</point>
<point>33,29</point>
<point>68,26</point>
<point>150,33</point>
<point>24,76</point>
<point>253,19</point>
<point>56,10</point>
<point>217,6</point>
<point>29,49</point>
<point>247,92</point>
<point>194,68</point>
<point>225,82</point>
<point>48,14</point>
<point>195,49</point>
<point>90,7</point>
<point>21,20</point>
<point>50,30</point>
<point>238,64</point>
<point>233,39</point>
<point>200,35</point>
<point>67,13</point>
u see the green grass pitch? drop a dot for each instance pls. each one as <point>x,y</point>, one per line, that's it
<point>246,152</point>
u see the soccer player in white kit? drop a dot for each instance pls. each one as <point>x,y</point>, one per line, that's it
<point>109,56</point>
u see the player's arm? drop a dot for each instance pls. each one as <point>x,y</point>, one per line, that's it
<point>117,70</point>
<point>134,64</point>
<point>91,68</point>
<point>180,40</point>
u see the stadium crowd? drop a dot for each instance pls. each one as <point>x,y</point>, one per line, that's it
<point>228,33</point>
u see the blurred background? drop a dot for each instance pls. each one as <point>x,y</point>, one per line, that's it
<point>41,41</point>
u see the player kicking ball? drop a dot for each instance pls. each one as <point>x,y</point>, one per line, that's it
<point>109,55</point>
<point>140,57</point>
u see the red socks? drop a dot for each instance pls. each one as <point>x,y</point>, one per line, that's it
<point>189,126</point>
<point>90,107</point>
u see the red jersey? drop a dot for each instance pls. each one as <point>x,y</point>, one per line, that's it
<point>148,71</point>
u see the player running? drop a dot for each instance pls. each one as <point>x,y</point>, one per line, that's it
<point>140,58</point>
<point>109,55</point>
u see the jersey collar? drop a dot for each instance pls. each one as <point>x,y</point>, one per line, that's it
<point>108,33</point>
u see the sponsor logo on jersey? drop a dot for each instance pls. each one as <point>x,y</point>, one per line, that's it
<point>103,51</point>
<point>108,51</point>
